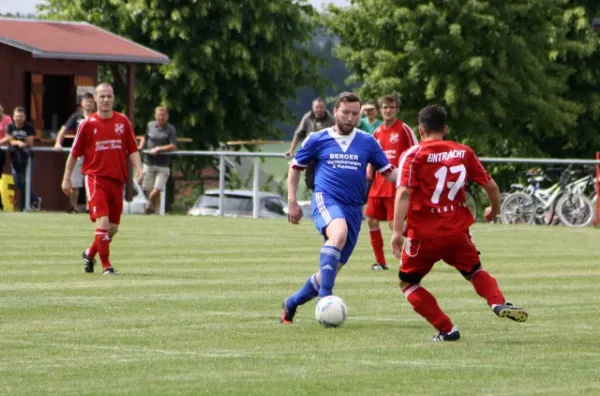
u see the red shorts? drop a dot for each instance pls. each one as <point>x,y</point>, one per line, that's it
<point>105,198</point>
<point>380,208</point>
<point>418,257</point>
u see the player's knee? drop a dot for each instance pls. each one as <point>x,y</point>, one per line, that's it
<point>407,279</point>
<point>337,232</point>
<point>373,223</point>
<point>112,230</point>
<point>468,274</point>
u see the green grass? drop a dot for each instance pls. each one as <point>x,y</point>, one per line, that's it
<point>195,311</point>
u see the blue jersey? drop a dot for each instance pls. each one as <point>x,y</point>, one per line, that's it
<point>341,163</point>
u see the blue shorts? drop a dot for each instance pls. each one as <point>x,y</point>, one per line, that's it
<point>325,210</point>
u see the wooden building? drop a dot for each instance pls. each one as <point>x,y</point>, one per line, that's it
<point>43,67</point>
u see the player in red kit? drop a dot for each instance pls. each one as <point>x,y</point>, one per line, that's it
<point>394,137</point>
<point>106,140</point>
<point>431,196</point>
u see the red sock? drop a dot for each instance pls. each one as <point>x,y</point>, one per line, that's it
<point>377,244</point>
<point>92,250</point>
<point>487,287</point>
<point>102,242</point>
<point>426,305</point>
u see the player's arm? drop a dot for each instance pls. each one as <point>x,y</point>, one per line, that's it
<point>391,175</point>
<point>401,202</point>
<point>303,157</point>
<point>381,162</point>
<point>136,160</point>
<point>69,166</point>
<point>493,193</point>
<point>294,210</point>
<point>479,175</point>
<point>401,208</point>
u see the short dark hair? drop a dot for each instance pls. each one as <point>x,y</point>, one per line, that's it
<point>19,109</point>
<point>317,100</point>
<point>433,118</point>
<point>346,97</point>
<point>389,99</point>
<point>87,95</point>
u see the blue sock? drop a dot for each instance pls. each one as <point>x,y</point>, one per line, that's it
<point>330,255</point>
<point>309,291</point>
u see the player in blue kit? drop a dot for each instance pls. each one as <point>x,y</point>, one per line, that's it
<point>341,154</point>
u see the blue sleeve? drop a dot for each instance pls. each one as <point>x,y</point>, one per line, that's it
<point>377,157</point>
<point>307,152</point>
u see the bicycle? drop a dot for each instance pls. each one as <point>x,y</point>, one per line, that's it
<point>544,206</point>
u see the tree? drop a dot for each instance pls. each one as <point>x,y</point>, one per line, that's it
<point>233,63</point>
<point>502,68</point>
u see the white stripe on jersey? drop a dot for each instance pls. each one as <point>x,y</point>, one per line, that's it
<point>403,159</point>
<point>388,166</point>
<point>297,164</point>
<point>411,135</point>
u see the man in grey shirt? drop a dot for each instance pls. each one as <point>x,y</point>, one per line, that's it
<point>313,121</point>
<point>160,137</point>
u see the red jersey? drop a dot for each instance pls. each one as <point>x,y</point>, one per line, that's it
<point>437,172</point>
<point>394,141</point>
<point>105,145</point>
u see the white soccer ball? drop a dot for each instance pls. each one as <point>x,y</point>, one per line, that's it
<point>331,311</point>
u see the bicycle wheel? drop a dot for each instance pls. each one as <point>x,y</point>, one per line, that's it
<point>518,208</point>
<point>471,204</point>
<point>575,210</point>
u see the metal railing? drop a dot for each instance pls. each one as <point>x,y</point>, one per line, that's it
<point>256,166</point>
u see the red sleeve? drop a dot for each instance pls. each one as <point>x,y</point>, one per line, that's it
<point>407,168</point>
<point>476,171</point>
<point>130,141</point>
<point>78,148</point>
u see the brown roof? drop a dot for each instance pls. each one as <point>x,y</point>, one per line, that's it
<point>73,40</point>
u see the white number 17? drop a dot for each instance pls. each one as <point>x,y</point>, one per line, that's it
<point>440,175</point>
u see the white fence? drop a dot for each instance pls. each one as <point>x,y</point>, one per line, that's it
<point>257,155</point>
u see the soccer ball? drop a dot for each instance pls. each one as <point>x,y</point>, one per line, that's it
<point>331,311</point>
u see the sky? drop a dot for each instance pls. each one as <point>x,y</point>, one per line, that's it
<point>28,6</point>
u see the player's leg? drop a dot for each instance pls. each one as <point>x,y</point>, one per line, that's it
<point>114,192</point>
<point>336,233</point>
<point>465,258</point>
<point>353,222</point>
<point>89,254</point>
<point>374,215</point>
<point>323,216</point>
<point>98,196</point>
<point>320,283</point>
<point>418,257</point>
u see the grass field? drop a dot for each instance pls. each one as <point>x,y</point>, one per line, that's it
<point>195,311</point>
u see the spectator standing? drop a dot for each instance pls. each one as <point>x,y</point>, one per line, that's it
<point>20,136</point>
<point>5,121</point>
<point>369,122</point>
<point>160,137</point>
<point>315,120</point>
